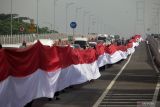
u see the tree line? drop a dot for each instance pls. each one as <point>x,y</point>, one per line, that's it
<point>17,22</point>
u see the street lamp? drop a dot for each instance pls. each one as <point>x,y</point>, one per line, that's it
<point>54,24</point>
<point>89,20</point>
<point>67,6</point>
<point>84,14</point>
<point>94,25</point>
<point>156,19</point>
<point>76,17</point>
<point>37,15</point>
<point>98,25</point>
<point>11,17</point>
<point>79,8</point>
<point>49,25</point>
<point>105,28</point>
<point>101,25</point>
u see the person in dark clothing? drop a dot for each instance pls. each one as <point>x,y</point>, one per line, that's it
<point>0,46</point>
<point>23,44</point>
<point>123,41</point>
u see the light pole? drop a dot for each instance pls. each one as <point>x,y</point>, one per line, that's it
<point>157,15</point>
<point>79,8</point>
<point>37,14</point>
<point>156,10</point>
<point>98,25</point>
<point>76,17</point>
<point>54,20</point>
<point>101,25</point>
<point>105,28</point>
<point>159,20</point>
<point>94,25</point>
<point>89,20</point>
<point>49,26</point>
<point>67,6</point>
<point>11,17</point>
<point>156,19</point>
<point>84,14</point>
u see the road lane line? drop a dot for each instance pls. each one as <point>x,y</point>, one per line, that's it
<point>124,99</point>
<point>111,84</point>
<point>132,94</point>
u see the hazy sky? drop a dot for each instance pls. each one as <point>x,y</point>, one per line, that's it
<point>110,16</point>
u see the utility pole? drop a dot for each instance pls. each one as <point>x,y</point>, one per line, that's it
<point>67,6</point>
<point>54,20</point>
<point>37,14</point>
<point>89,20</point>
<point>11,17</point>
<point>84,14</point>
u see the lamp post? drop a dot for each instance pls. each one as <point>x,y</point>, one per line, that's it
<point>84,14</point>
<point>89,20</point>
<point>156,10</point>
<point>98,25</point>
<point>157,15</point>
<point>101,25</point>
<point>11,17</point>
<point>54,20</point>
<point>37,14</point>
<point>79,8</point>
<point>159,20</point>
<point>76,17</point>
<point>49,25</point>
<point>94,25</point>
<point>156,19</point>
<point>105,28</point>
<point>67,6</point>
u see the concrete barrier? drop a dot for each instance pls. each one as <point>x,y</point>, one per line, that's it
<point>15,39</point>
<point>154,44</point>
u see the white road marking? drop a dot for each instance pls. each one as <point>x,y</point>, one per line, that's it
<point>132,94</point>
<point>111,84</point>
<point>117,105</point>
<point>128,99</point>
<point>121,102</point>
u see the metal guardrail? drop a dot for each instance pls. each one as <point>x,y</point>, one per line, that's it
<point>15,39</point>
<point>154,44</point>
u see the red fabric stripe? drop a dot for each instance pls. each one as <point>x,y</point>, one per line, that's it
<point>22,62</point>
<point>100,49</point>
<point>4,72</point>
<point>122,48</point>
<point>129,45</point>
<point>111,49</point>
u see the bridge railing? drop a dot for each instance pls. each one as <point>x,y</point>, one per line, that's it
<point>15,39</point>
<point>154,44</point>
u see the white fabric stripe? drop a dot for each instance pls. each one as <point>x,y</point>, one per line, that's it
<point>117,56</point>
<point>77,74</point>
<point>102,60</point>
<point>16,92</point>
<point>130,50</point>
<point>111,59</point>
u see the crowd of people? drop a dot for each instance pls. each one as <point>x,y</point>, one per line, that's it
<point>61,42</point>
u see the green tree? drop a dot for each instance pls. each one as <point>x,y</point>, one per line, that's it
<point>5,25</point>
